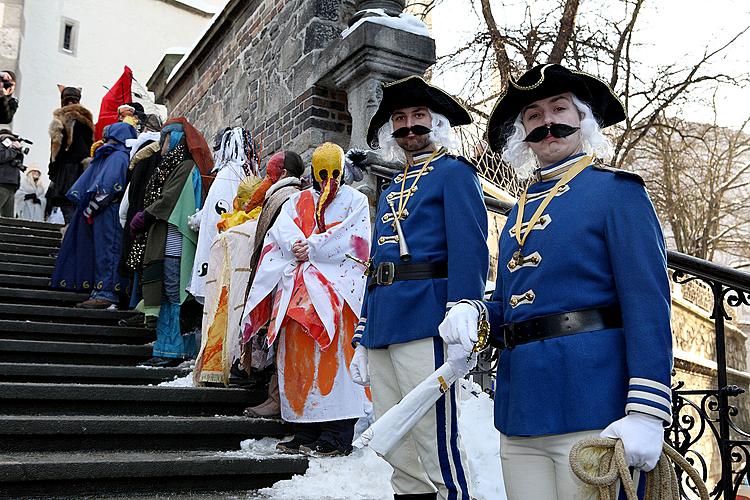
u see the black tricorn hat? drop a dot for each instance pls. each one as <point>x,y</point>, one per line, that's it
<point>410,92</point>
<point>547,80</point>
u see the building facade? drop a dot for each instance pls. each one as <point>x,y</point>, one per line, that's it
<point>86,43</point>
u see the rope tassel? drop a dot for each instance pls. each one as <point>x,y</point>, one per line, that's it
<point>611,466</point>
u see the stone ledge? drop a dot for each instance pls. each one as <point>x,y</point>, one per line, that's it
<point>381,49</point>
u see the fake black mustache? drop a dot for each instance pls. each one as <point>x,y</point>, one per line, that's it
<point>416,130</point>
<point>558,130</point>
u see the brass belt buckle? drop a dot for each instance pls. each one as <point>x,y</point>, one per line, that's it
<point>385,273</point>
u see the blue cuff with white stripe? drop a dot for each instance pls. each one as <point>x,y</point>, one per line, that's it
<point>478,305</point>
<point>358,331</point>
<point>650,397</point>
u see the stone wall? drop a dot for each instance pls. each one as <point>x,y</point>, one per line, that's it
<point>694,342</point>
<point>253,69</point>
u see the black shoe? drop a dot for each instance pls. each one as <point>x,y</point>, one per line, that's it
<point>151,362</point>
<point>291,447</point>
<point>158,362</point>
<point>169,362</point>
<point>132,321</point>
<point>321,449</point>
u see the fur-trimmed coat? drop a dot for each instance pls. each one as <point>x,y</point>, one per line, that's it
<point>71,133</point>
<point>65,134</point>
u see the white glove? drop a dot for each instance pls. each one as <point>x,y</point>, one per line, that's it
<point>642,437</point>
<point>457,356</point>
<point>358,366</point>
<point>194,221</point>
<point>460,326</point>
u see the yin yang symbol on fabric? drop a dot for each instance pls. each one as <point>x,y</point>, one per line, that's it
<point>222,206</point>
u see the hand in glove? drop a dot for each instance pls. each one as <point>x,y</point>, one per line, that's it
<point>642,436</point>
<point>140,222</point>
<point>194,221</point>
<point>457,360</point>
<point>358,367</point>
<point>460,326</point>
<point>89,211</point>
<point>355,164</point>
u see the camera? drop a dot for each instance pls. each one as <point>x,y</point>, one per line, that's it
<point>7,84</point>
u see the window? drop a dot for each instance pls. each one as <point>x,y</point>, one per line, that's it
<point>68,36</point>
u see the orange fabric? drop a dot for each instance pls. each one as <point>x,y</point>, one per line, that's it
<point>301,310</point>
<point>261,314</point>
<point>302,371</point>
<point>256,200</point>
<point>199,150</point>
<point>211,360</point>
<point>305,218</point>
<point>299,366</point>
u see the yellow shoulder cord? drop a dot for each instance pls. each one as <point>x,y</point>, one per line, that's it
<point>404,197</point>
<point>521,236</point>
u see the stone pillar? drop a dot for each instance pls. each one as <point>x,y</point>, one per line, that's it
<point>375,54</point>
<point>367,57</point>
<point>392,5</point>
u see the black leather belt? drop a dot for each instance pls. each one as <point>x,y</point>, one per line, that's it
<point>388,272</point>
<point>559,325</point>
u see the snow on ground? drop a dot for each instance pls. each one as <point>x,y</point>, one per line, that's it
<point>482,443</point>
<point>365,476</point>
<point>186,381</point>
<point>360,476</point>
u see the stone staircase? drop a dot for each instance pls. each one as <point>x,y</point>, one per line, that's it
<point>79,418</point>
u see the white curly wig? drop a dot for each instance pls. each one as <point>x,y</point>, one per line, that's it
<point>519,155</point>
<point>442,134</point>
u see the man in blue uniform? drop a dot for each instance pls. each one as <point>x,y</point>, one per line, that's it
<point>435,254</point>
<point>582,303</point>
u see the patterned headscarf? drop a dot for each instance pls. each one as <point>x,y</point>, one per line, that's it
<point>199,150</point>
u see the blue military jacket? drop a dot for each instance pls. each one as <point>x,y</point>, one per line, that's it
<point>598,244</point>
<point>445,221</point>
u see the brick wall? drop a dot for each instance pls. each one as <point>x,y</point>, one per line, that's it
<point>257,69</point>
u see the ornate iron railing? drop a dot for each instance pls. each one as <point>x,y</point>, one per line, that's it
<point>697,414</point>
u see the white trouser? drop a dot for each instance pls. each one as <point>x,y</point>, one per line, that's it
<point>539,467</point>
<point>431,456</point>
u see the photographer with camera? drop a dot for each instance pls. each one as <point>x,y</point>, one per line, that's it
<point>11,166</point>
<point>8,103</point>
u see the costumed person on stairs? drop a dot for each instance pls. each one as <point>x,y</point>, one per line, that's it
<point>72,134</point>
<point>30,197</point>
<point>173,193</point>
<point>228,272</point>
<point>91,247</point>
<point>288,167</point>
<point>310,290</point>
<point>236,158</point>
<point>144,158</point>
<point>581,306</point>
<point>441,213</point>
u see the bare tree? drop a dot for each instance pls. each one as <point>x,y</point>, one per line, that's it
<point>599,40</point>
<point>699,179</point>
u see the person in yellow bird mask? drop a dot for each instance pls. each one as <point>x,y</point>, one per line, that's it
<point>311,292</point>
